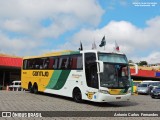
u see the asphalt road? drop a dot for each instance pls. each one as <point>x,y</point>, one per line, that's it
<point>25,101</point>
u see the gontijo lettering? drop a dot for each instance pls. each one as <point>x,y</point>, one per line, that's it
<point>40,73</point>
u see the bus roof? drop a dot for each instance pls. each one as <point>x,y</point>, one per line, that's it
<point>67,52</point>
<point>58,53</point>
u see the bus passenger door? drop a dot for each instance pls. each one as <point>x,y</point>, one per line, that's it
<point>91,72</point>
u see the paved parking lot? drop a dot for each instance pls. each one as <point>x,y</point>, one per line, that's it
<point>25,101</point>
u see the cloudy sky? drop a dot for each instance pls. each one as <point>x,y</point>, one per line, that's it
<point>34,27</point>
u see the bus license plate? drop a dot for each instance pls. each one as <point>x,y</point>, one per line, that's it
<point>118,97</point>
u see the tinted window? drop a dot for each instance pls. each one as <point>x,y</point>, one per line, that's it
<point>16,83</point>
<point>53,64</point>
<point>61,62</point>
<point>25,64</point>
<point>75,62</point>
<point>142,85</point>
<point>37,63</point>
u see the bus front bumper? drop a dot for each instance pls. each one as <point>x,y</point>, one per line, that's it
<point>112,98</point>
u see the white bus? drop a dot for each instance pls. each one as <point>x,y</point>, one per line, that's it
<point>83,75</point>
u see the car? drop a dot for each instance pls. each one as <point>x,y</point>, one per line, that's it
<point>146,86</point>
<point>143,88</point>
<point>15,86</point>
<point>153,85</point>
<point>155,93</point>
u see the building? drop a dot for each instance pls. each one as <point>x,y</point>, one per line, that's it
<point>10,69</point>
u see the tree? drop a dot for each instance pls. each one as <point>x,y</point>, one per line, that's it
<point>141,63</point>
<point>130,61</point>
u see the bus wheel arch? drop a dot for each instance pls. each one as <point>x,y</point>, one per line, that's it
<point>77,95</point>
<point>30,87</point>
<point>35,88</point>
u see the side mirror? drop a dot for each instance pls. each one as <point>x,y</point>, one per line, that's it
<point>100,66</point>
<point>136,68</point>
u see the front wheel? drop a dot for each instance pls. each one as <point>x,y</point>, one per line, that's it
<point>30,88</point>
<point>77,96</point>
<point>152,96</point>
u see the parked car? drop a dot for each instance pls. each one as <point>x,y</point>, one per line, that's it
<point>143,88</point>
<point>155,93</point>
<point>146,86</point>
<point>153,86</point>
<point>15,86</point>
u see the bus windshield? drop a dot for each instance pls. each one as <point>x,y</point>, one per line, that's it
<point>116,71</point>
<point>112,58</point>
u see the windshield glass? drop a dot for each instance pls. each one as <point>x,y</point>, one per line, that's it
<point>112,58</point>
<point>136,83</point>
<point>142,85</point>
<point>155,83</point>
<point>115,76</point>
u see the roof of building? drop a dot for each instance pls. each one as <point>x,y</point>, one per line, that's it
<point>10,60</point>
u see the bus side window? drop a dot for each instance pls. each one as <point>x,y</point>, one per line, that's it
<point>40,63</point>
<point>30,64</point>
<point>51,62</point>
<point>45,63</point>
<point>24,64</point>
<point>75,62</point>
<point>56,61</point>
<point>64,62</point>
<point>37,63</point>
<point>79,62</point>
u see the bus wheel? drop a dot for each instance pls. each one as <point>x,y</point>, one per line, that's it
<point>77,96</point>
<point>35,88</point>
<point>30,88</point>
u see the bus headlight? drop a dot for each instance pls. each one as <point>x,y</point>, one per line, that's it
<point>129,90</point>
<point>104,91</point>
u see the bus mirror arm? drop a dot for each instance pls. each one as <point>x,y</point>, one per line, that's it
<point>100,66</point>
<point>136,68</point>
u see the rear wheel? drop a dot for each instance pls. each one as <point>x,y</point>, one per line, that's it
<point>35,88</point>
<point>77,96</point>
<point>30,88</point>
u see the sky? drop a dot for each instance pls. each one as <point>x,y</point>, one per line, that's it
<point>35,27</point>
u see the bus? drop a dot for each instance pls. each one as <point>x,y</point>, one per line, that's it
<point>92,75</point>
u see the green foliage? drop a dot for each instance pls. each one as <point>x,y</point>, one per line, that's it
<point>130,61</point>
<point>141,63</point>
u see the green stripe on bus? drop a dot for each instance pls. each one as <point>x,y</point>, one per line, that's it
<point>62,79</point>
<point>71,52</point>
<point>75,52</point>
<point>54,79</point>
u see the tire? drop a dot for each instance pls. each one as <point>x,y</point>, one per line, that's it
<point>35,88</point>
<point>152,96</point>
<point>30,88</point>
<point>77,95</point>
